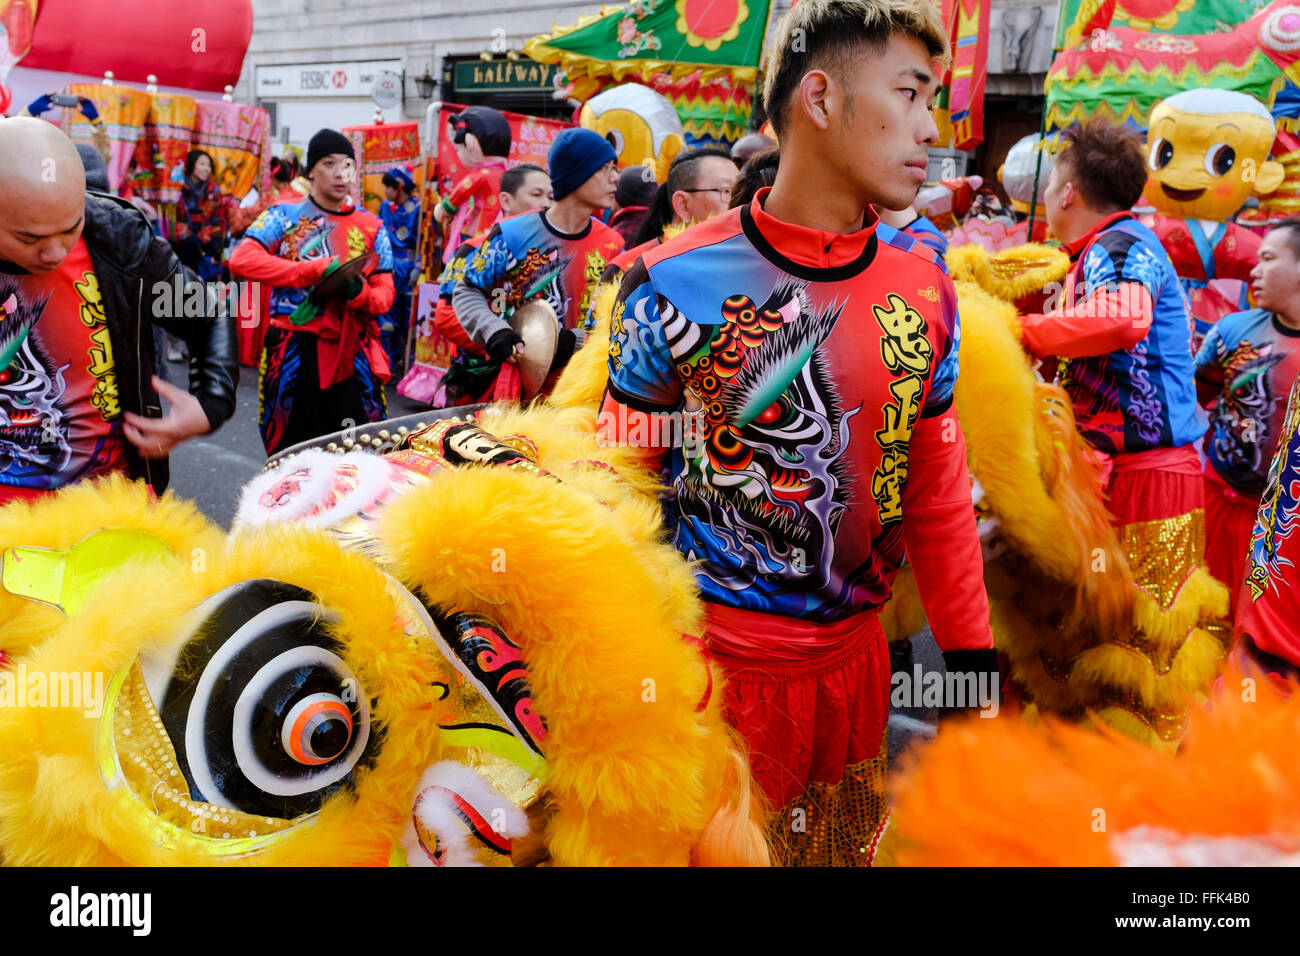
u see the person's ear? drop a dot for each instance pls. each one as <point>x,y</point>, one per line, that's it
<point>1068,194</point>
<point>679,206</point>
<point>817,97</point>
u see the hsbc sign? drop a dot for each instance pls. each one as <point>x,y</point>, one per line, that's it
<point>355,79</point>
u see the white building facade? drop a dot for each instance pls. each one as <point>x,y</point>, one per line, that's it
<point>311,63</point>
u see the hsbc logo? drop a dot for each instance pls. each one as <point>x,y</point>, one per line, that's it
<point>317,79</point>
<point>322,79</point>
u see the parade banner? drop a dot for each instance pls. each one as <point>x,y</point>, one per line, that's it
<point>960,113</point>
<point>167,138</point>
<point>380,147</point>
<point>712,112</point>
<point>433,351</point>
<point>1121,73</point>
<point>719,38</point>
<point>1079,18</point>
<point>238,137</point>
<point>123,110</point>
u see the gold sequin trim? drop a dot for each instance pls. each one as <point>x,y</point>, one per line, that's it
<point>835,824</point>
<point>1164,553</point>
<point>1167,725</point>
<point>148,762</point>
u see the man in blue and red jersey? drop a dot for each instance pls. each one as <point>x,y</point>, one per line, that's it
<point>1245,369</point>
<point>556,254</point>
<point>813,351</point>
<point>1123,340</point>
<point>471,375</point>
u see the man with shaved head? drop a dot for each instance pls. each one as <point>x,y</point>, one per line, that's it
<point>82,281</point>
<point>749,146</point>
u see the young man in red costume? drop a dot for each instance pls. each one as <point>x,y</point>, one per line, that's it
<point>1123,341</point>
<point>813,351</point>
<point>323,367</point>
<point>1245,369</point>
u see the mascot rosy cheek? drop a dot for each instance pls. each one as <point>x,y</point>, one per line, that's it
<point>1207,153</point>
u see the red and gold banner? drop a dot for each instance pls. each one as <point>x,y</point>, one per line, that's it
<point>380,147</point>
<point>961,104</point>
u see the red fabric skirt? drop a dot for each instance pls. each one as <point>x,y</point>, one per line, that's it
<point>809,699</point>
<point>1229,521</point>
<point>1151,485</point>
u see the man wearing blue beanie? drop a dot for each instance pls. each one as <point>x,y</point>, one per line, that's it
<point>556,254</point>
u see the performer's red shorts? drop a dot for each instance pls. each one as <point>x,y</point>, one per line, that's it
<point>1153,485</point>
<point>1229,521</point>
<point>809,699</point>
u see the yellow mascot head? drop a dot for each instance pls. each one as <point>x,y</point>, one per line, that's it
<point>1208,153</point>
<point>639,123</point>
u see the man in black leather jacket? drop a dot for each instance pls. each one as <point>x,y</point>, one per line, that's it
<point>45,214</point>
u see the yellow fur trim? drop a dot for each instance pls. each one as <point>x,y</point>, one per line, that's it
<point>1000,410</point>
<point>1123,668</point>
<point>60,522</point>
<point>902,616</point>
<point>55,808</point>
<point>1201,599</point>
<point>598,607</point>
<point>1010,274</point>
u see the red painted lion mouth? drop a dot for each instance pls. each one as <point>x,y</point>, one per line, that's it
<point>1181,195</point>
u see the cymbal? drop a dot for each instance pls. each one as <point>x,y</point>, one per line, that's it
<point>337,281</point>
<point>535,322</point>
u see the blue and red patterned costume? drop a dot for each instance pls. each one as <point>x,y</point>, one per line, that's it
<point>326,374</point>
<point>813,375</point>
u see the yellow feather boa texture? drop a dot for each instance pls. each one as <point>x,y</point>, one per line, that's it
<point>640,765</point>
<point>1083,639</point>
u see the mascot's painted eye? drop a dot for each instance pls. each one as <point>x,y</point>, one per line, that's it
<point>317,729</point>
<point>1219,159</point>
<point>1162,153</point>
<point>615,138</point>
<point>264,715</point>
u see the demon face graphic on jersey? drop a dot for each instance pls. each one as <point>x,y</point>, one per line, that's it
<point>33,436</point>
<point>763,482</point>
<point>1242,418</point>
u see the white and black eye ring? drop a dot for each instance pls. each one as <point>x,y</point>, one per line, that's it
<point>332,769</point>
<point>233,720</point>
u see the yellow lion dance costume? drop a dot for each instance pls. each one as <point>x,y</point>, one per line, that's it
<point>422,658</point>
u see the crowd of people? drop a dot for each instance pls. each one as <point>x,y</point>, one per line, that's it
<point>790,297</point>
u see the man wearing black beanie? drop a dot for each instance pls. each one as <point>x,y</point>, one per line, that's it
<point>323,368</point>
